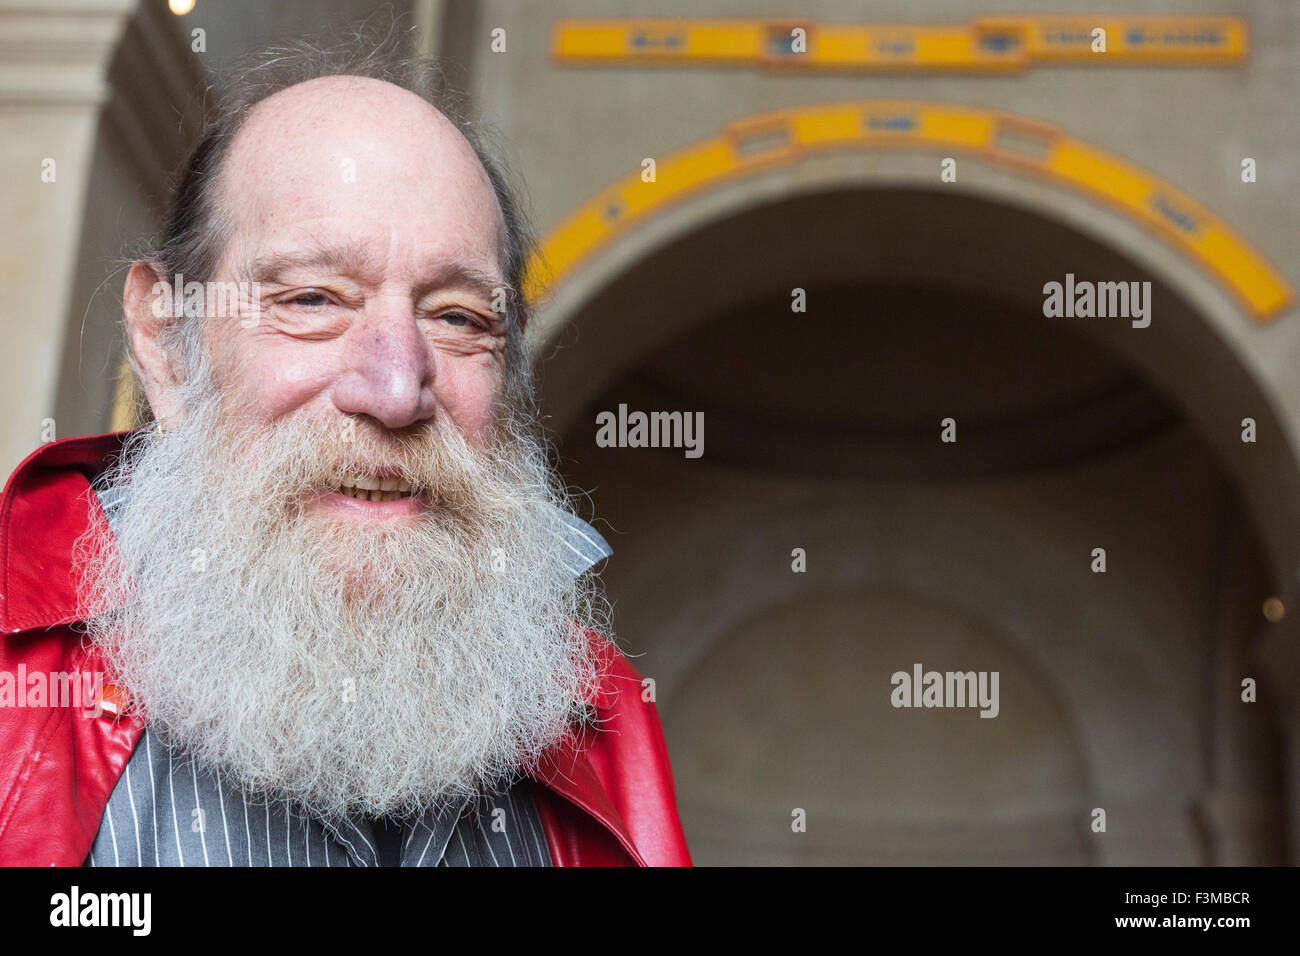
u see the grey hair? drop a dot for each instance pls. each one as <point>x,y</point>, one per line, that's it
<point>196,227</point>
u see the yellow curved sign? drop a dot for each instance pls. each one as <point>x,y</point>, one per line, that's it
<point>784,136</point>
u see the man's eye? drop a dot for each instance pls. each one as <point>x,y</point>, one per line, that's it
<point>457,319</point>
<point>311,300</point>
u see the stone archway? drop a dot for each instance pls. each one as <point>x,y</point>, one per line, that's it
<point>710,553</point>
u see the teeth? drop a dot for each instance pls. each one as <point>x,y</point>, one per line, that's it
<point>372,489</point>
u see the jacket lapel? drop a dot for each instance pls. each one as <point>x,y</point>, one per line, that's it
<point>567,771</point>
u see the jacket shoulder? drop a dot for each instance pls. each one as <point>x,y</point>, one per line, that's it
<point>58,761</point>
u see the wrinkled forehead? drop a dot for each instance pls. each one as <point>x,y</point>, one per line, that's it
<point>362,161</point>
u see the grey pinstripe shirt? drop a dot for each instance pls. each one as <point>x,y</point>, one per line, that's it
<point>167,811</point>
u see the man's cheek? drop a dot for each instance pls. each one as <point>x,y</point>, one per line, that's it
<point>281,383</point>
<point>472,410</point>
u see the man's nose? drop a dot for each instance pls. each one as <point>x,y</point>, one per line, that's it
<point>389,367</point>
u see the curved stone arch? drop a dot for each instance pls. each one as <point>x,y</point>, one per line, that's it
<point>785,136</point>
<point>1203,336</point>
<point>734,553</point>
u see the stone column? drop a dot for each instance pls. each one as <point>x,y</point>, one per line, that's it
<point>97,100</point>
<point>54,60</point>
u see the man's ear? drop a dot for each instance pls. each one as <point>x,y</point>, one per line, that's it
<point>147,305</point>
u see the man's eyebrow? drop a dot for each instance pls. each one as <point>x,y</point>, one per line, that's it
<point>458,274</point>
<point>353,258</point>
<point>348,258</point>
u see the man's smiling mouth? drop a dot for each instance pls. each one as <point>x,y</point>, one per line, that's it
<point>372,489</point>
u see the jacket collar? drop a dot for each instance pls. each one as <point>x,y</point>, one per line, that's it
<point>46,505</point>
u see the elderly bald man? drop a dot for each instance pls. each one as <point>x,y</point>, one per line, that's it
<point>332,602</point>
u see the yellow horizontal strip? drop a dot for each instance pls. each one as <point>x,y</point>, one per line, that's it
<point>989,43</point>
<point>784,136</point>
<point>890,48</point>
<point>711,40</point>
<point>1134,39</point>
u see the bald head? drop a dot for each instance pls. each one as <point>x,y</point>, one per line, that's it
<point>363,154</point>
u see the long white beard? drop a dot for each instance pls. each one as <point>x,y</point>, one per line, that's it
<point>340,668</point>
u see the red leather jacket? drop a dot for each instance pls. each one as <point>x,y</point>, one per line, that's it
<point>610,802</point>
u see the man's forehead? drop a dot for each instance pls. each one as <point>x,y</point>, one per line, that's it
<point>343,149</point>
<point>362,104</point>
